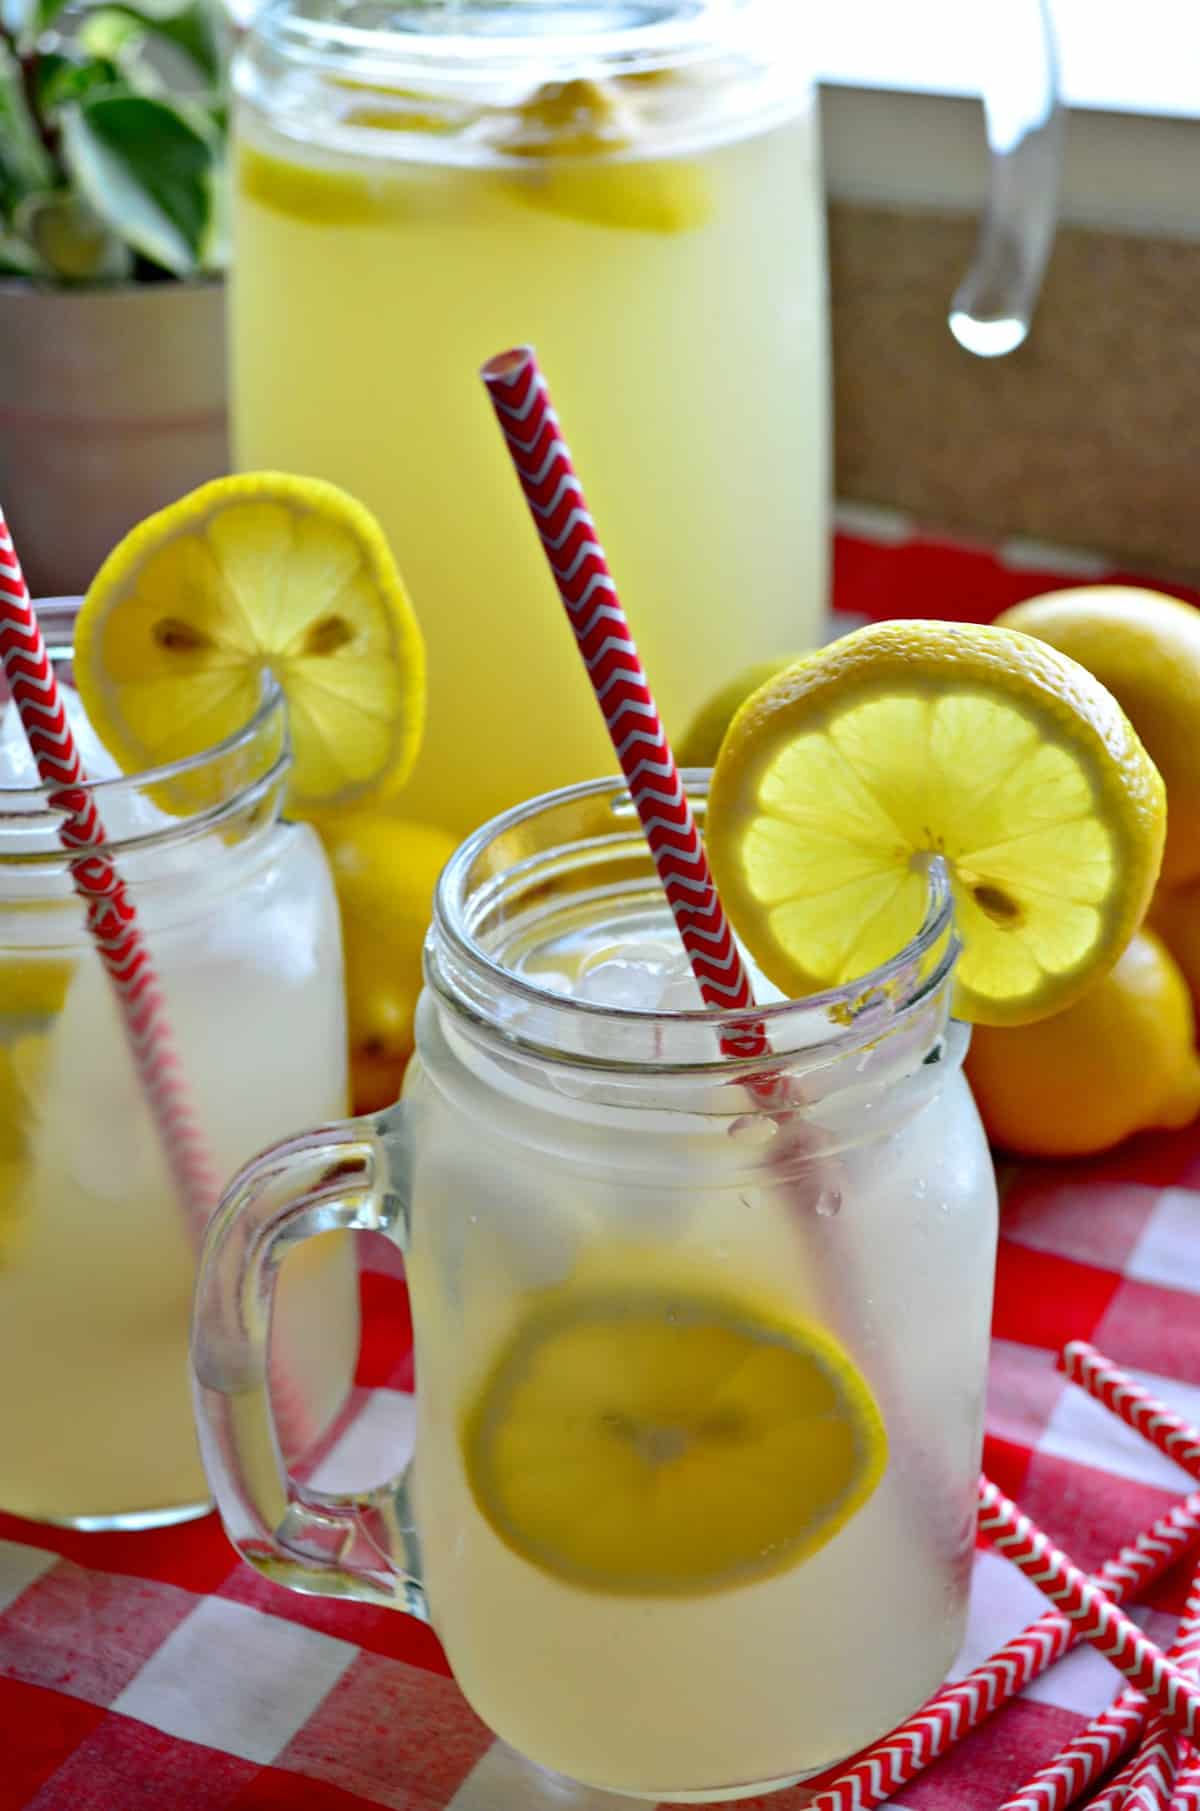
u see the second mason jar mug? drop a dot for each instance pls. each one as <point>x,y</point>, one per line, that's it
<point>97,1251</point>
<point>700,1351</point>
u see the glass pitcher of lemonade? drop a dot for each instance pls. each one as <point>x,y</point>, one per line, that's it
<point>627,185</point>
<point>633,186</point>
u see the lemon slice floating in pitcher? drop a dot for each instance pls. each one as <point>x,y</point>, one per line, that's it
<point>841,776</point>
<point>573,135</point>
<point>258,572</point>
<point>642,1441</point>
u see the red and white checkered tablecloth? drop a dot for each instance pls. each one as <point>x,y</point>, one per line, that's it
<point>155,1671</point>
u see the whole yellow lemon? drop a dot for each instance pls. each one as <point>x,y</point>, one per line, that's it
<point>1119,1061</point>
<point>385,869</point>
<point>1175,916</point>
<point>1145,647</point>
<point>702,739</point>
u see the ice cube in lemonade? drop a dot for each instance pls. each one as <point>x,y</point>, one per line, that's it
<point>379,261</point>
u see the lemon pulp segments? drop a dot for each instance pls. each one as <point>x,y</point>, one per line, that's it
<point>643,1442</point>
<point>23,1064</point>
<point>839,779</point>
<point>257,572</point>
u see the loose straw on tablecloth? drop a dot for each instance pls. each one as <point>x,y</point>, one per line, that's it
<point>957,1709</point>
<point>1155,1770</point>
<point>111,917</point>
<point>1186,1796</point>
<point>1174,1437</point>
<point>1164,1751</point>
<point>1146,1783</point>
<point>1171,1692</point>
<point>1116,1792</point>
<point>1110,1736</point>
<point>1086,1758</point>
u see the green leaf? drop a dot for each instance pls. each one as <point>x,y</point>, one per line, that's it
<point>45,12</point>
<point>73,243</point>
<point>146,171</point>
<point>60,77</point>
<point>25,163</point>
<point>217,249</point>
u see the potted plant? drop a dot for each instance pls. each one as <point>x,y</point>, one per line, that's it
<point>112,141</point>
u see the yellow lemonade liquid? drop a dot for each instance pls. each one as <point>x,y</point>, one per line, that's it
<point>96,1265</point>
<point>548,1199</point>
<point>665,260</point>
<point>709,1693</point>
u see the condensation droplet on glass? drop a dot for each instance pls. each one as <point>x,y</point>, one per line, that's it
<point>753,1129</point>
<point>920,1188</point>
<point>828,1202</point>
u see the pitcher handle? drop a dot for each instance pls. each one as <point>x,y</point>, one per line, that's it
<point>993,306</point>
<point>359,1544</point>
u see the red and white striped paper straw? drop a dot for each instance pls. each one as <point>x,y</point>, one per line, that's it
<point>1155,1769</point>
<point>1163,1754</point>
<point>1186,1796</point>
<point>1146,1783</point>
<point>111,918</point>
<point>956,1710</point>
<point>1100,1621</point>
<point>1173,1436</point>
<point>556,502</point>
<point>1086,1758</point>
<point>1117,1791</point>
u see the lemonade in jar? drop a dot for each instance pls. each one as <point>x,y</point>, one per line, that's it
<point>139,1067</point>
<point>96,1251</point>
<point>631,187</point>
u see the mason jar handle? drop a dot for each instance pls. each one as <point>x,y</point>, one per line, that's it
<point>358,1544</point>
<point>993,306</point>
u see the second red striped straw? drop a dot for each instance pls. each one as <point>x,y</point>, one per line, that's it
<point>111,918</point>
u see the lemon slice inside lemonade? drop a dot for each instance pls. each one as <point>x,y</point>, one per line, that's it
<point>252,573</point>
<point>645,1441</point>
<point>840,778</point>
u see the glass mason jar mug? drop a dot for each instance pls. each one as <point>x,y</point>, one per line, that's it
<point>97,1255</point>
<point>700,1378</point>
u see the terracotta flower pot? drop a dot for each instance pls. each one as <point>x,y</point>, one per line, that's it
<point>112,403</point>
